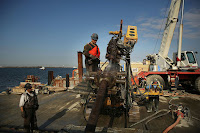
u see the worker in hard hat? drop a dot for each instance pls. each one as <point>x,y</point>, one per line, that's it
<point>28,105</point>
<point>92,54</point>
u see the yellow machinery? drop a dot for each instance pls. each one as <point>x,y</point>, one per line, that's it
<point>150,94</point>
<point>150,90</point>
<point>131,34</point>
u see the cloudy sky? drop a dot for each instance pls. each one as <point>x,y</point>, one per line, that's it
<point>50,32</point>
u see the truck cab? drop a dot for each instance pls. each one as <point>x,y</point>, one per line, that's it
<point>188,60</point>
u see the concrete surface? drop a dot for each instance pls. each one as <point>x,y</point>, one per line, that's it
<point>62,112</point>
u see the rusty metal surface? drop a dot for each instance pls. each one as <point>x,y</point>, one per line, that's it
<point>67,80</point>
<point>80,66</point>
<point>94,116</point>
<point>50,77</point>
<point>59,82</point>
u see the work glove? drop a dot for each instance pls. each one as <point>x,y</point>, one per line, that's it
<point>90,61</point>
<point>36,107</point>
<point>93,57</point>
<point>23,114</point>
<point>98,60</point>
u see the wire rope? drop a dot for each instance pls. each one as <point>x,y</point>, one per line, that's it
<point>161,26</point>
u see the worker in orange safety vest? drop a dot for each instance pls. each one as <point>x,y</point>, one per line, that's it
<point>92,54</point>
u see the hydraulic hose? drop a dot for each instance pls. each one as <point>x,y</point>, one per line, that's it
<point>173,125</point>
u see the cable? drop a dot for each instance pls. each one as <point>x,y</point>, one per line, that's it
<point>104,64</point>
<point>161,27</point>
<point>170,104</point>
<point>155,118</point>
<point>195,118</point>
<point>148,117</point>
<point>167,111</point>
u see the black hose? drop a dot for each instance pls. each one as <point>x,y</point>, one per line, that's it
<point>104,64</point>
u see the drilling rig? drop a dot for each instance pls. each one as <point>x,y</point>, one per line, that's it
<point>111,87</point>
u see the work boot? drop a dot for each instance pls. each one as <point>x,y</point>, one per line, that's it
<point>156,101</point>
<point>149,110</point>
<point>156,109</point>
<point>150,105</point>
<point>27,130</point>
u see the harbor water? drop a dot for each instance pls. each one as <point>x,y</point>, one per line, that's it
<point>11,77</point>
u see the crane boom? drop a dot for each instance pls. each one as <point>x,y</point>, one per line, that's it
<point>182,60</point>
<point>170,27</point>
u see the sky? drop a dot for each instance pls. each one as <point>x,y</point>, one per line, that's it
<point>51,32</point>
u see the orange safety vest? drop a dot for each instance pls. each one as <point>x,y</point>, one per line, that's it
<point>94,50</point>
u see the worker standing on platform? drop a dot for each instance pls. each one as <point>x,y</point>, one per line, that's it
<point>92,54</point>
<point>28,105</point>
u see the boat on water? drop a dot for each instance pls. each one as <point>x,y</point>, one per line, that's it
<point>42,68</point>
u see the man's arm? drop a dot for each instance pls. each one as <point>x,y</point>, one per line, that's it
<point>22,109</point>
<point>22,102</point>
<point>86,51</point>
